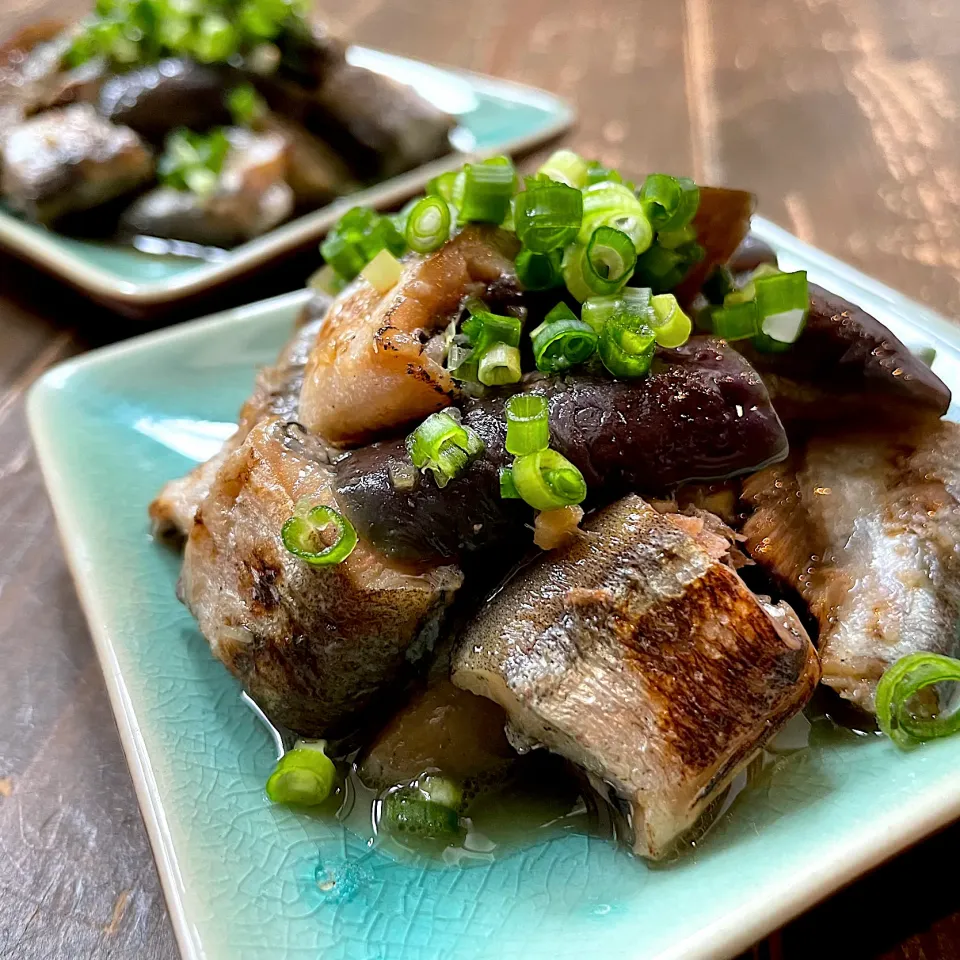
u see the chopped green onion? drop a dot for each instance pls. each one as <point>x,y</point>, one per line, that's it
<point>615,205</point>
<point>676,239</point>
<point>547,215</point>
<point>598,310</point>
<point>193,161</point>
<point>539,271</point>
<point>360,234</point>
<point>735,321</point>
<point>484,328</point>
<point>301,535</point>
<point>245,105</point>
<point>216,40</point>
<point>488,188</point>
<point>765,270</point>
<point>673,327</point>
<point>627,343</point>
<point>926,355</point>
<point>528,424</point>
<point>662,269</point>
<point>383,272</point>
<point>609,260</point>
<point>445,185</point>
<point>326,280</point>
<point>441,790</point>
<point>670,202</point>
<point>598,173</point>
<point>896,691</point>
<point>405,812</point>
<point>547,480</point>
<point>499,365</point>
<point>562,340</point>
<point>444,446</point>
<point>303,776</point>
<point>565,166</point>
<point>783,301</point>
<point>508,489</point>
<point>428,225</point>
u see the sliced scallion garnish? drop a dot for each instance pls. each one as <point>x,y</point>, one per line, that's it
<point>608,260</point>
<point>428,225</point>
<point>443,446</point>
<point>547,480</point>
<point>528,424</point>
<point>508,489</point>
<point>900,716</point>
<point>303,776</point>
<point>488,188</point>
<point>358,237</point>
<point>562,340</point>
<point>411,814</point>
<point>539,271</point>
<point>547,215</point>
<point>627,342</point>
<point>670,202</point>
<point>673,327</point>
<point>383,272</point>
<point>783,301</point>
<point>565,166</point>
<point>499,365</point>
<point>302,536</point>
<point>615,205</point>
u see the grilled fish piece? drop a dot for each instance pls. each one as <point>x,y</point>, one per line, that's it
<point>251,197</point>
<point>639,656</point>
<point>847,366</point>
<point>174,92</point>
<point>865,527</point>
<point>702,414</point>
<point>368,371</point>
<point>275,394</point>
<point>69,160</point>
<point>314,646</point>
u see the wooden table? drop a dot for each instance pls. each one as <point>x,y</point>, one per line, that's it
<point>841,114</point>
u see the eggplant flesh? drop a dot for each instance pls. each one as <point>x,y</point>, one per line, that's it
<point>702,414</point>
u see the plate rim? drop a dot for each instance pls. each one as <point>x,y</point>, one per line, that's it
<point>43,249</point>
<point>769,909</point>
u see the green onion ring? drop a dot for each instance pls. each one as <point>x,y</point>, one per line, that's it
<point>300,535</point>
<point>547,480</point>
<point>303,776</point>
<point>901,682</point>
<point>609,260</point>
<point>547,215</point>
<point>528,424</point>
<point>562,340</point>
<point>428,225</point>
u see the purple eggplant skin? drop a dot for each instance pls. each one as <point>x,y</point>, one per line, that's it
<point>847,365</point>
<point>702,414</point>
<point>155,99</point>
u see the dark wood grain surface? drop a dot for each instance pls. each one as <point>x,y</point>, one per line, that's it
<point>842,115</point>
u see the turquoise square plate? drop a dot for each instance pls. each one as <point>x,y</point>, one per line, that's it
<point>239,874</point>
<point>493,117</point>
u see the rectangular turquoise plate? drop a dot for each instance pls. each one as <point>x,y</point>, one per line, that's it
<point>493,117</point>
<point>239,875</point>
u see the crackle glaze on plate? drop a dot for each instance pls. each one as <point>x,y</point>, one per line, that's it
<point>239,874</point>
<point>493,116</point>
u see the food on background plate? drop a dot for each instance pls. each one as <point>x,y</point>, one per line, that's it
<point>208,123</point>
<point>563,442</point>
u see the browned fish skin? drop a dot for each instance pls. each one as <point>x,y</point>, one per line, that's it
<point>368,371</point>
<point>70,160</point>
<point>637,655</point>
<point>275,393</point>
<point>865,528</point>
<point>314,646</point>
<point>847,365</point>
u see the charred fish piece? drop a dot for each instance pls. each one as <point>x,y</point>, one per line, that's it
<point>847,365</point>
<point>316,647</point>
<point>702,414</point>
<point>251,196</point>
<point>369,371</point>
<point>69,160</point>
<point>641,657</point>
<point>865,528</point>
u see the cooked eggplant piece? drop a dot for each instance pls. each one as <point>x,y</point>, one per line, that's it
<point>69,160</point>
<point>865,528</point>
<point>702,414</point>
<point>275,394</point>
<point>368,371</point>
<point>380,127</point>
<point>443,728</point>
<point>314,646</point>
<point>640,656</point>
<point>251,197</point>
<point>847,366</point>
<point>175,92</point>
<point>722,222</point>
